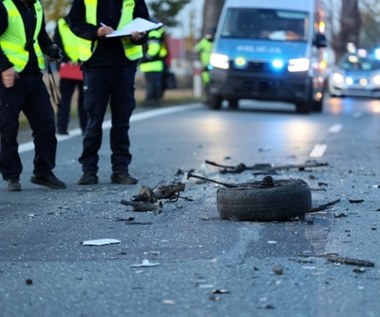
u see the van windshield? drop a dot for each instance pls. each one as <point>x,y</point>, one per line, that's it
<point>266,24</point>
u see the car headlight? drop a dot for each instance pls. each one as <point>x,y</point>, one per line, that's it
<point>219,61</point>
<point>299,65</point>
<point>338,78</point>
<point>376,80</point>
<point>349,81</point>
<point>278,64</point>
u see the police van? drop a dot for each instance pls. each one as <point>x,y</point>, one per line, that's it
<point>269,50</point>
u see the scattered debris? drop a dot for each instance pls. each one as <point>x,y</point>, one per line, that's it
<point>28,281</point>
<point>145,194</point>
<point>359,270</point>
<point>324,206</point>
<point>349,261</point>
<point>129,221</point>
<point>150,200</point>
<point>265,168</point>
<point>340,215</point>
<point>144,206</point>
<point>170,191</point>
<point>302,260</point>
<point>146,263</point>
<point>168,302</point>
<point>278,269</point>
<point>221,291</point>
<point>99,242</point>
<point>228,185</point>
<point>356,201</point>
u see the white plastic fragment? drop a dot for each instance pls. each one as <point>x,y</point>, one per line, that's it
<point>99,242</point>
<point>145,263</point>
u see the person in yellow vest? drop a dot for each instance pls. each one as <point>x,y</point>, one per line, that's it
<point>204,48</point>
<point>109,67</point>
<point>23,43</point>
<point>66,39</point>
<point>152,65</point>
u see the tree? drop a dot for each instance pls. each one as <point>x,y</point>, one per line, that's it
<point>54,9</point>
<point>166,11</point>
<point>370,31</point>
<point>350,23</point>
<point>211,14</point>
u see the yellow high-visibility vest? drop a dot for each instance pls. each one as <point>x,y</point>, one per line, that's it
<point>157,50</point>
<point>13,40</point>
<point>70,41</point>
<point>86,47</point>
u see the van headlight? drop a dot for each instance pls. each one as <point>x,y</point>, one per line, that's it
<point>299,65</point>
<point>219,61</point>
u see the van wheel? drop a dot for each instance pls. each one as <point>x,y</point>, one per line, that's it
<point>304,107</point>
<point>233,103</point>
<point>256,201</point>
<point>318,106</point>
<point>215,102</point>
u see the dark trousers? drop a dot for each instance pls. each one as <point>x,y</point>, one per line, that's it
<point>29,94</point>
<point>102,86</point>
<point>153,92</point>
<point>67,88</point>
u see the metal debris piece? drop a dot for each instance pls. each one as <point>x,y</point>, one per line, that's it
<point>99,242</point>
<point>144,206</point>
<point>228,185</point>
<point>265,168</point>
<point>170,191</point>
<point>356,201</point>
<point>145,194</point>
<point>221,291</point>
<point>349,261</point>
<point>324,206</point>
<point>129,221</point>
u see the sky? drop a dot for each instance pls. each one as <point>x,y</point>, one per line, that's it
<point>183,29</point>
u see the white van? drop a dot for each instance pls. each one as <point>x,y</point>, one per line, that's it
<point>269,50</point>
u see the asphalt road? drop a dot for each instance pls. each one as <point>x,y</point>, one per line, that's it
<point>186,260</point>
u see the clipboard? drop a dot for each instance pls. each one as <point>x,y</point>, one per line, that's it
<point>136,25</point>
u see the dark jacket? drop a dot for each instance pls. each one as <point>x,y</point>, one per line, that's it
<point>109,52</point>
<point>28,15</point>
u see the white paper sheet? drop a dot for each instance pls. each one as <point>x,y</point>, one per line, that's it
<point>137,25</point>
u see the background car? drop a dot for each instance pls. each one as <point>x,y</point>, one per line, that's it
<point>355,75</point>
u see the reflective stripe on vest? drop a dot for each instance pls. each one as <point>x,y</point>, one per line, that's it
<point>70,41</point>
<point>86,47</point>
<point>13,40</point>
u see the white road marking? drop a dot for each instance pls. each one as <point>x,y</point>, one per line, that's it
<point>29,146</point>
<point>318,150</point>
<point>335,128</point>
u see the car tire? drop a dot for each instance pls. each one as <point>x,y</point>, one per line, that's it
<point>318,106</point>
<point>233,103</point>
<point>215,102</point>
<point>254,201</point>
<point>304,107</point>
